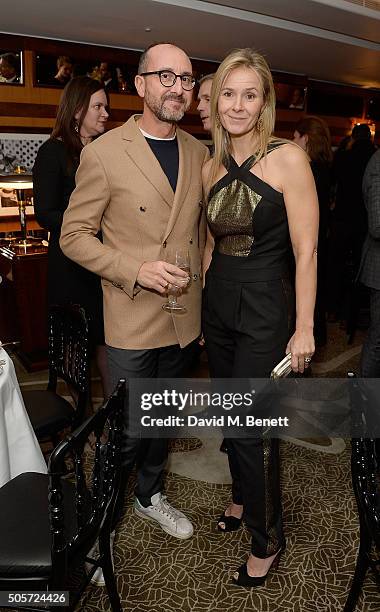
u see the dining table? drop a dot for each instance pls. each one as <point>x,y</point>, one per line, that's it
<point>19,448</point>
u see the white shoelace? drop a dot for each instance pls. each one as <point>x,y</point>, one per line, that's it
<point>164,507</point>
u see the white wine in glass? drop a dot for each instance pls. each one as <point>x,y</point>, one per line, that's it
<point>181,260</point>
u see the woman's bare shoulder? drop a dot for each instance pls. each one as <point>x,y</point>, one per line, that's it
<point>287,158</point>
<point>289,152</point>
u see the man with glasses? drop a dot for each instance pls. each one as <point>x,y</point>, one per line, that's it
<point>140,184</point>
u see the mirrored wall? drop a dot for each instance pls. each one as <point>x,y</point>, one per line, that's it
<point>290,96</point>
<point>56,71</point>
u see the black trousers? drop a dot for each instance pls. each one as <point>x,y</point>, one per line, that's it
<point>149,455</point>
<point>370,357</point>
<point>343,260</point>
<point>246,328</point>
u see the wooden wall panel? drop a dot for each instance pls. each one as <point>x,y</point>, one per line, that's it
<point>30,108</point>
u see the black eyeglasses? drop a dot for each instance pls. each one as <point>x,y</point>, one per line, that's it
<point>168,78</point>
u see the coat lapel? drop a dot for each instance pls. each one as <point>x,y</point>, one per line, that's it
<point>142,155</point>
<point>183,182</point>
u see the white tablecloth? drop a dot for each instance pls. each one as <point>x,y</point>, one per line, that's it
<point>19,449</point>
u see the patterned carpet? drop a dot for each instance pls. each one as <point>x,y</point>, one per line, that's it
<point>157,573</point>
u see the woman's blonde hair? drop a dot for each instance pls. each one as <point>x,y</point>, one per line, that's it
<point>242,58</point>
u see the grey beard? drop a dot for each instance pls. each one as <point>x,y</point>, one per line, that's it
<point>165,114</point>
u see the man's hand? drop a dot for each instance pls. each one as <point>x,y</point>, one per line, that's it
<point>158,275</point>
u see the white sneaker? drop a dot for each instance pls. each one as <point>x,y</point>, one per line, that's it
<point>98,578</point>
<point>171,520</point>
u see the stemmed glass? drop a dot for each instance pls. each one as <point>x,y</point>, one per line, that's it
<point>180,258</point>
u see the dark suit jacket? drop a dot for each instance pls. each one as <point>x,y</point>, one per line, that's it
<point>369,273</point>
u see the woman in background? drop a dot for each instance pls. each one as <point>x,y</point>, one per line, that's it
<point>261,204</point>
<point>81,117</point>
<point>313,136</point>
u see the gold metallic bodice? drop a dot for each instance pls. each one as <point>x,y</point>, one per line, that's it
<point>229,214</point>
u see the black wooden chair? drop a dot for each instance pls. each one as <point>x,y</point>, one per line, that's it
<point>49,524</point>
<point>48,411</point>
<point>365,468</point>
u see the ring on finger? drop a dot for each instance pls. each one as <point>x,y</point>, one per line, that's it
<point>307,359</point>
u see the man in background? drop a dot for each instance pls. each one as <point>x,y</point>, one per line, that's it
<point>9,68</point>
<point>348,224</point>
<point>64,70</point>
<point>369,273</point>
<point>204,97</point>
<point>107,78</point>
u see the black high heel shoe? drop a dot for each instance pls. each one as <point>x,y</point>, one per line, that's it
<point>232,523</point>
<point>244,579</point>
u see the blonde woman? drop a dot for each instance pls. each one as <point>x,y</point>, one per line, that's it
<point>261,204</point>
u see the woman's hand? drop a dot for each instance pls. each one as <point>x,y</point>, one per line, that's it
<point>301,346</point>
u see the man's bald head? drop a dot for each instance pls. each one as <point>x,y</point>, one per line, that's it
<point>145,56</point>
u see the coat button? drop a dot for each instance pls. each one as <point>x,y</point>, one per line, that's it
<point>142,208</point>
<point>195,277</point>
<point>164,244</point>
<point>191,241</point>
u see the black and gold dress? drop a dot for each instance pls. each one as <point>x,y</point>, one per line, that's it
<point>248,318</point>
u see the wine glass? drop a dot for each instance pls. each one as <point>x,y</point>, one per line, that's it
<point>180,259</point>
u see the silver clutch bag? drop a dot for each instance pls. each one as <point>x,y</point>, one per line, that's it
<point>283,368</point>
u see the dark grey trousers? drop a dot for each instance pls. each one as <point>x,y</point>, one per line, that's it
<point>149,455</point>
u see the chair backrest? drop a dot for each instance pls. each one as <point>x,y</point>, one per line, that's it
<point>69,353</point>
<point>365,467</point>
<point>365,464</point>
<point>80,510</point>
